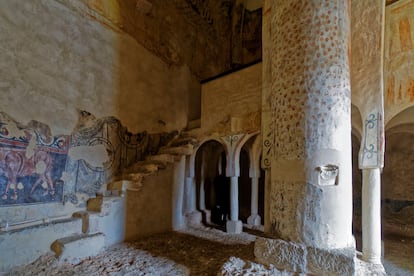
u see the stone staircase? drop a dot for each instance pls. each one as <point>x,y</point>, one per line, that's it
<point>103,222</point>
<point>95,232</point>
<point>133,177</point>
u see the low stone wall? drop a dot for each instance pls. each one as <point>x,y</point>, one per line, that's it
<point>25,245</point>
<point>296,257</point>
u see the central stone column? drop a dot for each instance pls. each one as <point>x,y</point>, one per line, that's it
<point>311,185</point>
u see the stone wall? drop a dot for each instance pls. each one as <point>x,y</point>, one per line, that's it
<point>154,215</point>
<point>233,102</point>
<point>209,36</point>
<point>397,193</point>
<point>397,188</point>
<point>367,24</point>
<point>56,60</point>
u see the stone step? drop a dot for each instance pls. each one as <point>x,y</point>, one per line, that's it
<point>167,158</point>
<point>35,241</point>
<point>181,150</point>
<point>76,247</point>
<point>182,141</point>
<point>130,183</point>
<point>143,167</point>
<point>100,204</point>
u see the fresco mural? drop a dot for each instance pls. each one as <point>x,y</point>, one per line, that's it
<point>31,162</point>
<point>121,149</point>
<point>36,167</point>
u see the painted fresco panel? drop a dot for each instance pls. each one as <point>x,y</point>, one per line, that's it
<point>399,57</point>
<point>31,166</point>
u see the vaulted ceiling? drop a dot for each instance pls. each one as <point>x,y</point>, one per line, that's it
<point>389,2</point>
<point>209,36</point>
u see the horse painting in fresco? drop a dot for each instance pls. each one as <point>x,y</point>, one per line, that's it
<point>32,162</point>
<point>15,163</point>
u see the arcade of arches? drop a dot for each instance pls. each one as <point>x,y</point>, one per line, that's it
<point>199,137</point>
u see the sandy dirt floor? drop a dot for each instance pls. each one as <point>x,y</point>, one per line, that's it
<point>195,251</point>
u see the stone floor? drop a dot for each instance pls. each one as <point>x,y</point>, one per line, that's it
<point>195,251</point>
<point>399,255</point>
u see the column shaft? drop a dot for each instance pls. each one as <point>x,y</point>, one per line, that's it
<point>254,218</point>
<point>190,196</point>
<point>202,200</point>
<point>371,215</point>
<point>234,198</point>
<point>254,196</point>
<point>311,123</point>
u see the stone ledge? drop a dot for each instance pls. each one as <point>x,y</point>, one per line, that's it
<point>22,246</point>
<point>181,150</point>
<point>73,248</point>
<point>283,255</point>
<point>296,257</point>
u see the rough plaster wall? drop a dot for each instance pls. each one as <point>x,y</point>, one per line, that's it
<point>232,102</point>
<point>399,58</point>
<point>367,77</point>
<point>198,33</point>
<point>149,210</point>
<point>54,60</point>
<point>398,174</point>
<point>246,32</point>
<point>24,246</point>
<point>397,187</point>
<point>404,117</point>
<point>366,58</point>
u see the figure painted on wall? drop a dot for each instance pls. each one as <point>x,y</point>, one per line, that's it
<point>31,162</point>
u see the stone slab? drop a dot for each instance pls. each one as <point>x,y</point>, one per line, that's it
<point>335,261</point>
<point>283,255</point>
<point>25,245</point>
<point>73,248</point>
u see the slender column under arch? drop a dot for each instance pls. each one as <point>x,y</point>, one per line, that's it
<point>254,218</point>
<point>234,226</point>
<point>371,215</point>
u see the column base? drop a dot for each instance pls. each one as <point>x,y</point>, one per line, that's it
<point>206,214</point>
<point>193,218</point>
<point>234,227</point>
<point>254,220</point>
<point>366,268</point>
<point>372,260</point>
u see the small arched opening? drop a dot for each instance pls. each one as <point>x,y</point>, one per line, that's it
<point>213,187</point>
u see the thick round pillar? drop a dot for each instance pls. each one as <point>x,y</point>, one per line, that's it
<point>371,215</point>
<point>311,164</point>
